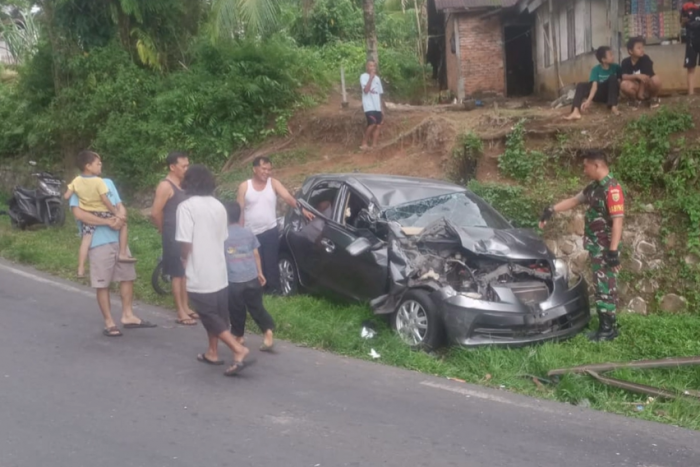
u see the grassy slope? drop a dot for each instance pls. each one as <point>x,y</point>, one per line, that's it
<point>321,324</point>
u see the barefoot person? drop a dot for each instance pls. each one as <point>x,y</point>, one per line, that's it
<point>245,280</point>
<point>169,195</point>
<point>202,229</point>
<point>603,85</point>
<point>372,91</point>
<point>105,266</point>
<point>258,198</point>
<point>639,82</point>
<point>605,201</point>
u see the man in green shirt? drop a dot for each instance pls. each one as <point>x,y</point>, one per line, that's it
<point>603,86</point>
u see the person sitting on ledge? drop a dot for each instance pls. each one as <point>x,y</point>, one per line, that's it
<point>639,82</point>
<point>603,85</point>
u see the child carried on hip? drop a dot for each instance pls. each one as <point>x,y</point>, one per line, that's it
<point>92,192</point>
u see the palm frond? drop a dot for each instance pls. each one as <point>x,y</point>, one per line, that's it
<point>234,17</point>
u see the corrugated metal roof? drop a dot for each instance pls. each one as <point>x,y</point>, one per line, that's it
<point>466,4</point>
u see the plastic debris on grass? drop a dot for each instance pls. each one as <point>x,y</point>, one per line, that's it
<point>373,353</point>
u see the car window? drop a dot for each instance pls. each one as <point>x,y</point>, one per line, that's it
<point>324,197</point>
<point>354,203</point>
<point>462,209</point>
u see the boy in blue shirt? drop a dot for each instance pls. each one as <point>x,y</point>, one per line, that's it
<point>246,280</point>
<point>603,85</point>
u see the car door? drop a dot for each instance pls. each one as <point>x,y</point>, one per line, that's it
<point>362,277</point>
<point>305,237</point>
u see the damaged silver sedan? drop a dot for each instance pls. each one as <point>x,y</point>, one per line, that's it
<point>434,257</point>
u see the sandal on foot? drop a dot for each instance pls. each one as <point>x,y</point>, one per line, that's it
<point>112,332</point>
<point>193,315</point>
<point>203,358</point>
<point>187,322</point>
<point>237,367</point>
<point>267,348</point>
<point>142,324</point>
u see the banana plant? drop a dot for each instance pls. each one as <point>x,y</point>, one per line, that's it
<point>21,34</point>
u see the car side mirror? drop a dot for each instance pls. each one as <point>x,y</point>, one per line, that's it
<point>359,246</point>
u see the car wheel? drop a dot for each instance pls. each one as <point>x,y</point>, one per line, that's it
<point>289,279</point>
<point>417,322</point>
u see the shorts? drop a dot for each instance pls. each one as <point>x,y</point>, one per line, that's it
<point>105,267</point>
<point>90,229</point>
<point>374,118</point>
<point>692,56</point>
<point>172,264</point>
<point>212,309</point>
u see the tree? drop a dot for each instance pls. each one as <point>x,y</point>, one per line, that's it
<point>370,30</point>
<point>233,18</point>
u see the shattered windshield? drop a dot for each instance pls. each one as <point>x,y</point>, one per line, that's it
<point>462,209</point>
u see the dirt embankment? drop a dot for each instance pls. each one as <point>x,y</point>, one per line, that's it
<point>418,140</point>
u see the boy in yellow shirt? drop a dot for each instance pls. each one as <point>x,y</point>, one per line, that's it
<point>92,191</point>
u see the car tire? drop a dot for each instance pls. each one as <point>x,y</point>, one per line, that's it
<point>161,283</point>
<point>289,275</point>
<point>417,321</point>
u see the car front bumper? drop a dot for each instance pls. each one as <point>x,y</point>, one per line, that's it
<point>471,322</point>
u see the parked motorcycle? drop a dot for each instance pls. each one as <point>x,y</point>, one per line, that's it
<point>42,205</point>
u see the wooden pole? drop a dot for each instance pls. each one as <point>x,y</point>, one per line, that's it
<point>342,86</point>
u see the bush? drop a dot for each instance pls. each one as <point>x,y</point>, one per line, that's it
<point>647,143</point>
<point>465,157</point>
<point>517,162</point>
<point>511,201</point>
<point>400,71</point>
<point>230,96</point>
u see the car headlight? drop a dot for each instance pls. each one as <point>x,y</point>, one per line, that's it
<point>561,269</point>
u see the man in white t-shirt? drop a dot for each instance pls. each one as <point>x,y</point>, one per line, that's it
<point>372,104</point>
<point>201,230</point>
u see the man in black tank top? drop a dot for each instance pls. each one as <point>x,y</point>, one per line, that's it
<point>168,196</point>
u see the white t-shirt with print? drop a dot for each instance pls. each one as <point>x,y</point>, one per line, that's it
<point>202,221</point>
<point>371,101</point>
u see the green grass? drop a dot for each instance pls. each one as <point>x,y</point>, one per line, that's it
<point>335,326</point>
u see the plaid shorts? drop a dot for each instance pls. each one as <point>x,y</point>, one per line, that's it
<point>90,229</point>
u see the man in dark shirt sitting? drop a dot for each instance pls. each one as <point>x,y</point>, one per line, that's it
<point>639,82</point>
<point>603,85</point>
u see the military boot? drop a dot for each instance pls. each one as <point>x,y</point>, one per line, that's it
<point>607,328</point>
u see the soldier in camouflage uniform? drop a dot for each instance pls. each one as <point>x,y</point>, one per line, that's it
<point>603,231</point>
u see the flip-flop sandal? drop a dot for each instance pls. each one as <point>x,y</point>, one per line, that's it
<point>194,316</point>
<point>267,348</point>
<point>112,332</point>
<point>142,324</point>
<point>186,322</point>
<point>237,367</point>
<point>203,358</point>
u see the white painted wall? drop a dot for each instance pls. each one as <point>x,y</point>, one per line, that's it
<point>582,10</point>
<point>563,32</point>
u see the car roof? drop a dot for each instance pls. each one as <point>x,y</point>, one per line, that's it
<point>392,190</point>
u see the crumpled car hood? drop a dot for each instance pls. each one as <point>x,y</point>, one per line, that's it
<point>512,243</point>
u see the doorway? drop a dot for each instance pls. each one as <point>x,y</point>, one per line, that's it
<point>520,67</point>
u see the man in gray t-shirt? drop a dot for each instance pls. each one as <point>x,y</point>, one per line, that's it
<point>245,279</point>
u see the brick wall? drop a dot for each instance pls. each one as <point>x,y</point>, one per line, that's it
<point>481,48</point>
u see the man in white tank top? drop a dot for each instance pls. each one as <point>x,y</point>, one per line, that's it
<point>258,200</point>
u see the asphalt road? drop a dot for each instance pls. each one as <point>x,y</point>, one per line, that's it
<point>70,397</point>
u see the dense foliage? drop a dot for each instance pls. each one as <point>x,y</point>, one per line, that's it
<point>135,79</point>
